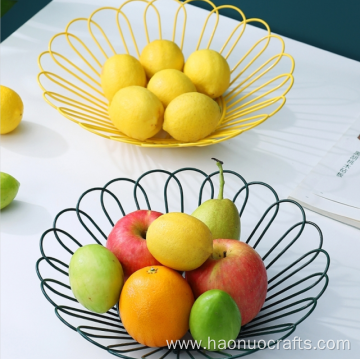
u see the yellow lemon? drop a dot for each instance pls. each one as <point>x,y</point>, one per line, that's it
<point>120,71</point>
<point>169,84</point>
<point>209,71</point>
<point>191,117</point>
<point>179,241</point>
<point>12,108</point>
<point>160,55</point>
<point>136,112</point>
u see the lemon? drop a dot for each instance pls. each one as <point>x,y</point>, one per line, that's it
<point>136,112</point>
<point>191,117</point>
<point>9,188</point>
<point>209,71</point>
<point>12,109</point>
<point>120,71</point>
<point>160,55</point>
<point>179,241</point>
<point>169,84</point>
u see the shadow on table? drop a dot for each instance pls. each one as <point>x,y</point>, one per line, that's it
<point>23,218</point>
<point>243,151</point>
<point>284,119</point>
<point>329,314</point>
<point>328,322</point>
<point>34,140</point>
<point>333,322</point>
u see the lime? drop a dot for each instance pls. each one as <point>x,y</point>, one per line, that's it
<point>9,189</point>
<point>215,320</point>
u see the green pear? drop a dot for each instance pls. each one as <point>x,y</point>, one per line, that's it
<point>220,215</point>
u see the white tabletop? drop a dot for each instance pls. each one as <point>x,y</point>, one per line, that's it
<point>55,161</point>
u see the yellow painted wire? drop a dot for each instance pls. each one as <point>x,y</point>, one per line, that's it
<point>184,23</point>
<point>150,4</point>
<point>89,22</point>
<point>81,99</point>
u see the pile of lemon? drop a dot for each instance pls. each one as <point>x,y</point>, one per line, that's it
<point>162,91</point>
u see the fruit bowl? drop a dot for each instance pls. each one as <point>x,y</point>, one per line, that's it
<point>261,72</point>
<point>290,246</point>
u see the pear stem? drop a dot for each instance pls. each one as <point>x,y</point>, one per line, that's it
<point>221,178</point>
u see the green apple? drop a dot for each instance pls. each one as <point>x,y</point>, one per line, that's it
<point>96,277</point>
<point>215,319</point>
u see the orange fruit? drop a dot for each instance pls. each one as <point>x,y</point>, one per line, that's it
<point>155,305</point>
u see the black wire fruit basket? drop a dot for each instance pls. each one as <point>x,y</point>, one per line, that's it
<point>295,261</point>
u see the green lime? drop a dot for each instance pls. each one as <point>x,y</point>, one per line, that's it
<point>215,320</point>
<point>9,189</point>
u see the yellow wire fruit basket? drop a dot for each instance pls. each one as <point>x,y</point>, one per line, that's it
<point>261,72</point>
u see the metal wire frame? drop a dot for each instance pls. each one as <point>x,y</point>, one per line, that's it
<point>81,99</point>
<point>273,318</point>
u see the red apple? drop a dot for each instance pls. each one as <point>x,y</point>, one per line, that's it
<point>127,241</point>
<point>236,268</point>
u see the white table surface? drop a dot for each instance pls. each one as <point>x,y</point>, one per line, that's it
<point>55,161</point>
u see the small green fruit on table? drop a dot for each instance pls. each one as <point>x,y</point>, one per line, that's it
<point>9,189</point>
